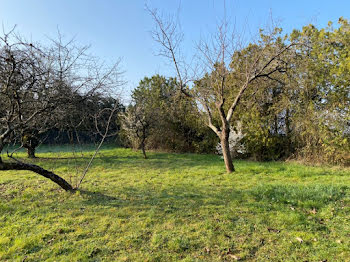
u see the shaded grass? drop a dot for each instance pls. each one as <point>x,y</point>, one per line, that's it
<point>175,207</point>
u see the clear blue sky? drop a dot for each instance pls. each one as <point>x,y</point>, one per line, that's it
<point>120,28</point>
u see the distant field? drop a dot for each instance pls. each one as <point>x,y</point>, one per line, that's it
<point>174,207</point>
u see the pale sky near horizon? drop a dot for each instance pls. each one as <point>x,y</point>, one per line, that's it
<point>121,28</point>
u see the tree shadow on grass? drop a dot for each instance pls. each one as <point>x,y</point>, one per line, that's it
<point>223,211</point>
<point>163,163</point>
<point>97,197</point>
<point>182,198</point>
<point>59,158</point>
<point>175,198</point>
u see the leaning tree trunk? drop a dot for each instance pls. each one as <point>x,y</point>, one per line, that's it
<point>143,149</point>
<point>18,165</point>
<point>226,152</point>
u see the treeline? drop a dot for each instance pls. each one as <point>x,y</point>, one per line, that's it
<point>77,119</point>
<point>281,97</point>
<point>53,93</point>
<point>161,118</point>
<point>297,110</point>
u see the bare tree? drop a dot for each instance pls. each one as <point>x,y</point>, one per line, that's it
<point>37,84</point>
<point>223,86</point>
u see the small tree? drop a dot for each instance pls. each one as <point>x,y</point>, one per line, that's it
<point>137,124</point>
<point>220,57</point>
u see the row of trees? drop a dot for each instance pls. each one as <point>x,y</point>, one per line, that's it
<point>48,88</point>
<point>286,95</point>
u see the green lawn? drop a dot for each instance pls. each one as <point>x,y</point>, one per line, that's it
<point>174,207</point>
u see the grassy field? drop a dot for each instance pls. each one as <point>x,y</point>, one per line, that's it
<point>174,207</point>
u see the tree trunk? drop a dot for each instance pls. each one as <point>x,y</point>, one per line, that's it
<point>143,149</point>
<point>287,131</point>
<point>31,152</point>
<point>226,153</point>
<point>39,170</point>
<point>1,148</point>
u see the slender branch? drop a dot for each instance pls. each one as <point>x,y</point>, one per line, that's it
<point>169,40</point>
<point>99,146</point>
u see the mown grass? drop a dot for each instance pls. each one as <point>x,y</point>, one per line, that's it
<point>174,207</point>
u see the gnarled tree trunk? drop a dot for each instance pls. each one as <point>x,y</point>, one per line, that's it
<point>18,165</point>
<point>30,141</point>
<point>31,152</point>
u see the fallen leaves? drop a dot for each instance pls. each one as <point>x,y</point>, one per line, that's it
<point>299,239</point>
<point>230,254</point>
<point>234,257</point>
<point>313,211</point>
<point>273,230</point>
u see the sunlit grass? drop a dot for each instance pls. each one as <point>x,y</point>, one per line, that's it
<point>174,207</point>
